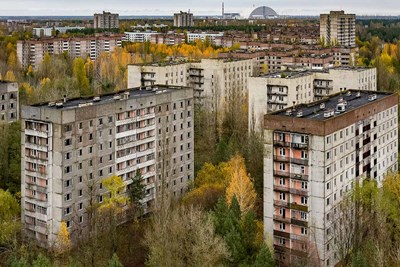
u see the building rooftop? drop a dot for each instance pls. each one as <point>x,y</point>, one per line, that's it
<point>132,93</point>
<point>333,106</point>
<point>287,74</point>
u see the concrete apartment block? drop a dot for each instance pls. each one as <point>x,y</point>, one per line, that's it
<point>275,91</point>
<point>69,146</point>
<point>213,80</point>
<point>106,20</point>
<point>183,19</point>
<point>9,101</point>
<point>32,52</point>
<point>314,154</point>
<point>338,28</point>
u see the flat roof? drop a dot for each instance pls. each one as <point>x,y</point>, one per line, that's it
<point>287,74</point>
<point>314,111</point>
<point>132,93</point>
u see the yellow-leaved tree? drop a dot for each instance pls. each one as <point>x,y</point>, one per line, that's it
<point>63,242</point>
<point>240,185</point>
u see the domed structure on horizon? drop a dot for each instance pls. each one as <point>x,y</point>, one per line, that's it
<point>263,12</point>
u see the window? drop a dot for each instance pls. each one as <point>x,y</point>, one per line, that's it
<point>282,181</point>
<point>67,211</point>
<point>282,226</point>
<point>282,196</point>
<point>282,166</point>
<point>304,154</point>
<point>68,183</point>
<point>328,155</point>
<point>328,186</point>
<point>80,206</point>
<point>304,200</point>
<point>282,151</point>
<point>304,185</point>
<point>67,169</point>
<point>68,141</point>
<point>67,197</point>
<point>328,170</point>
<point>303,231</point>
<point>303,215</point>
<point>68,155</point>
<point>328,201</point>
<point>80,192</point>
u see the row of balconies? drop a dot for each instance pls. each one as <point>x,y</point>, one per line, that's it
<point>296,176</point>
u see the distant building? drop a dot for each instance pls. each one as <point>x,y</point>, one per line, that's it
<point>213,80</point>
<point>106,20</point>
<point>279,90</point>
<point>338,29</point>
<point>47,32</point>
<point>70,146</point>
<point>9,101</point>
<point>263,12</point>
<point>314,154</point>
<point>32,52</point>
<point>183,19</point>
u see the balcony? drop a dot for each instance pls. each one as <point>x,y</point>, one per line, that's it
<point>296,206</point>
<point>281,219</point>
<point>281,188</point>
<point>291,160</point>
<point>36,133</point>
<point>274,92</point>
<point>281,173</point>
<point>281,143</point>
<point>303,192</point>
<point>281,203</point>
<point>281,234</point>
<point>299,145</point>
<point>299,222</point>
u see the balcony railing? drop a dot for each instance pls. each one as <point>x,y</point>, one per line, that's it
<point>291,160</point>
<point>281,188</point>
<point>281,234</point>
<point>281,203</point>
<point>296,206</point>
<point>303,192</point>
<point>281,218</point>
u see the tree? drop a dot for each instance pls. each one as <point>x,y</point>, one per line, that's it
<point>114,261</point>
<point>41,261</point>
<point>9,218</point>
<point>240,186</point>
<point>184,237</point>
<point>82,82</point>
<point>264,258</point>
<point>136,190</point>
<point>63,243</point>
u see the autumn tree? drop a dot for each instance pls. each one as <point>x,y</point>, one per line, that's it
<point>82,82</point>
<point>186,237</point>
<point>240,185</point>
<point>9,219</point>
<point>63,242</point>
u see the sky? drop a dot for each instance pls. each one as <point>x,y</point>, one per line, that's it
<point>197,7</point>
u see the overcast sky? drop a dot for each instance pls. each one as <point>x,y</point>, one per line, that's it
<point>198,7</point>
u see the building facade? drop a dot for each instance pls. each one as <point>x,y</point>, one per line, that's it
<point>338,29</point>
<point>183,19</point>
<point>69,146</point>
<point>105,20</point>
<point>213,80</point>
<point>9,101</point>
<point>32,52</point>
<point>316,153</point>
<point>275,91</point>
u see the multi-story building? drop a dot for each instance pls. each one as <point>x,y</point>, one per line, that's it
<point>183,19</point>
<point>275,91</point>
<point>50,31</point>
<point>338,29</point>
<point>105,20</point>
<point>9,101</point>
<point>140,37</point>
<point>32,52</point>
<point>316,153</point>
<point>213,38</point>
<point>69,146</point>
<point>213,80</point>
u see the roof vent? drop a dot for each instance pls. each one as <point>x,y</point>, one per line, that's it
<point>96,99</point>
<point>341,107</point>
<point>117,97</point>
<point>59,104</point>
<point>299,114</point>
<point>340,100</point>
<point>372,97</point>
<point>322,106</point>
<point>289,112</point>
<point>329,113</point>
<point>85,104</point>
<point>348,93</point>
<point>52,104</point>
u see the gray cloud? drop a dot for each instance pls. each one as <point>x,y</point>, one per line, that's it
<point>203,7</point>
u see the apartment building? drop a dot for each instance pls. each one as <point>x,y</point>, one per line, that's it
<point>9,102</point>
<point>338,29</point>
<point>314,154</point>
<point>140,37</point>
<point>50,31</point>
<point>69,146</point>
<point>279,90</point>
<point>213,38</point>
<point>213,80</point>
<point>32,52</point>
<point>183,19</point>
<point>105,20</point>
